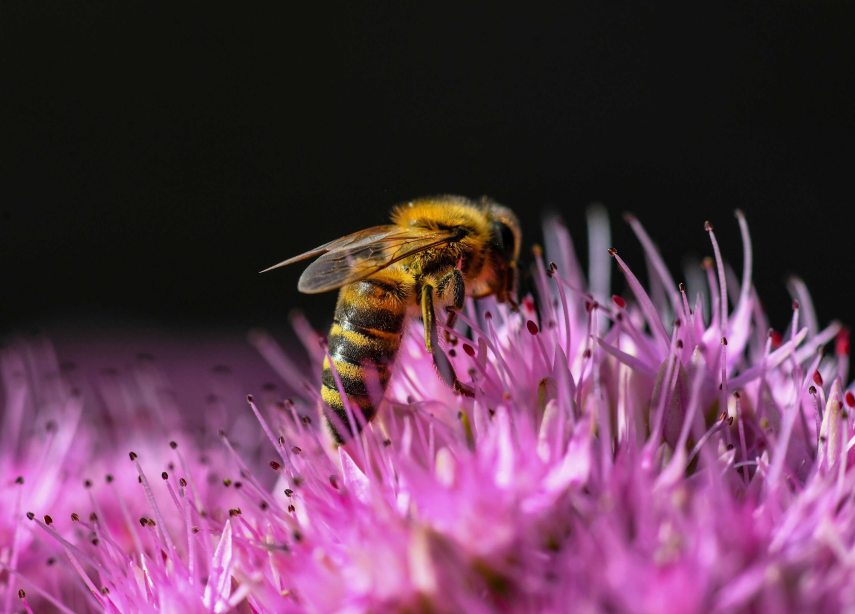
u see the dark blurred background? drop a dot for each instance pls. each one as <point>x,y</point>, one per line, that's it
<point>158,156</point>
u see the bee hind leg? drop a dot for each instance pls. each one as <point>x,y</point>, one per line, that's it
<point>440,360</point>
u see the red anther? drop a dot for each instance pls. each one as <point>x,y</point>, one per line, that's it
<point>708,226</point>
<point>470,351</point>
<point>776,338</point>
<point>849,398</point>
<point>612,251</point>
<point>532,327</point>
<point>795,305</point>
<point>817,378</point>
<point>617,300</point>
<point>841,345</point>
<point>528,303</point>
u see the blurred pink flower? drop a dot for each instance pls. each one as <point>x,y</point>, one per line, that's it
<point>660,451</point>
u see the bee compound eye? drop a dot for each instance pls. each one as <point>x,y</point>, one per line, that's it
<point>504,239</point>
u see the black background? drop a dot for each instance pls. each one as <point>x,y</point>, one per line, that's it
<point>159,156</point>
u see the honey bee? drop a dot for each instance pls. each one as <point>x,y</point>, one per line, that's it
<point>436,252</point>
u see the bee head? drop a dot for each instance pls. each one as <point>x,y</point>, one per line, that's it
<point>505,234</point>
<point>505,241</point>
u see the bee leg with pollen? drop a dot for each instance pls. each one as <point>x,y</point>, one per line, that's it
<point>452,290</point>
<point>440,360</point>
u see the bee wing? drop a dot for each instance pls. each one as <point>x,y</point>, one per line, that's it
<point>364,253</point>
<point>341,242</point>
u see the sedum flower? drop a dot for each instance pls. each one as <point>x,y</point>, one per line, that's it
<point>660,450</point>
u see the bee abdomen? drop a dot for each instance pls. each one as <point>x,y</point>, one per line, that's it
<point>363,342</point>
<point>377,321</point>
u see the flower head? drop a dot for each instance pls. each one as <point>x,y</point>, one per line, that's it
<point>659,450</point>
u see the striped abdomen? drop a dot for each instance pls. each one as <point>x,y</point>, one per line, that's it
<point>365,336</point>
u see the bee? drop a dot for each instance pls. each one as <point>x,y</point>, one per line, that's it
<point>435,253</point>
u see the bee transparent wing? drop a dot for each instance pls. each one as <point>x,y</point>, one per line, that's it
<point>341,242</point>
<point>366,253</point>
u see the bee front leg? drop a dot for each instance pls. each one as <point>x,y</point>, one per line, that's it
<point>440,360</point>
<point>452,290</point>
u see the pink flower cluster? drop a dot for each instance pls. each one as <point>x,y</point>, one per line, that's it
<point>662,451</point>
